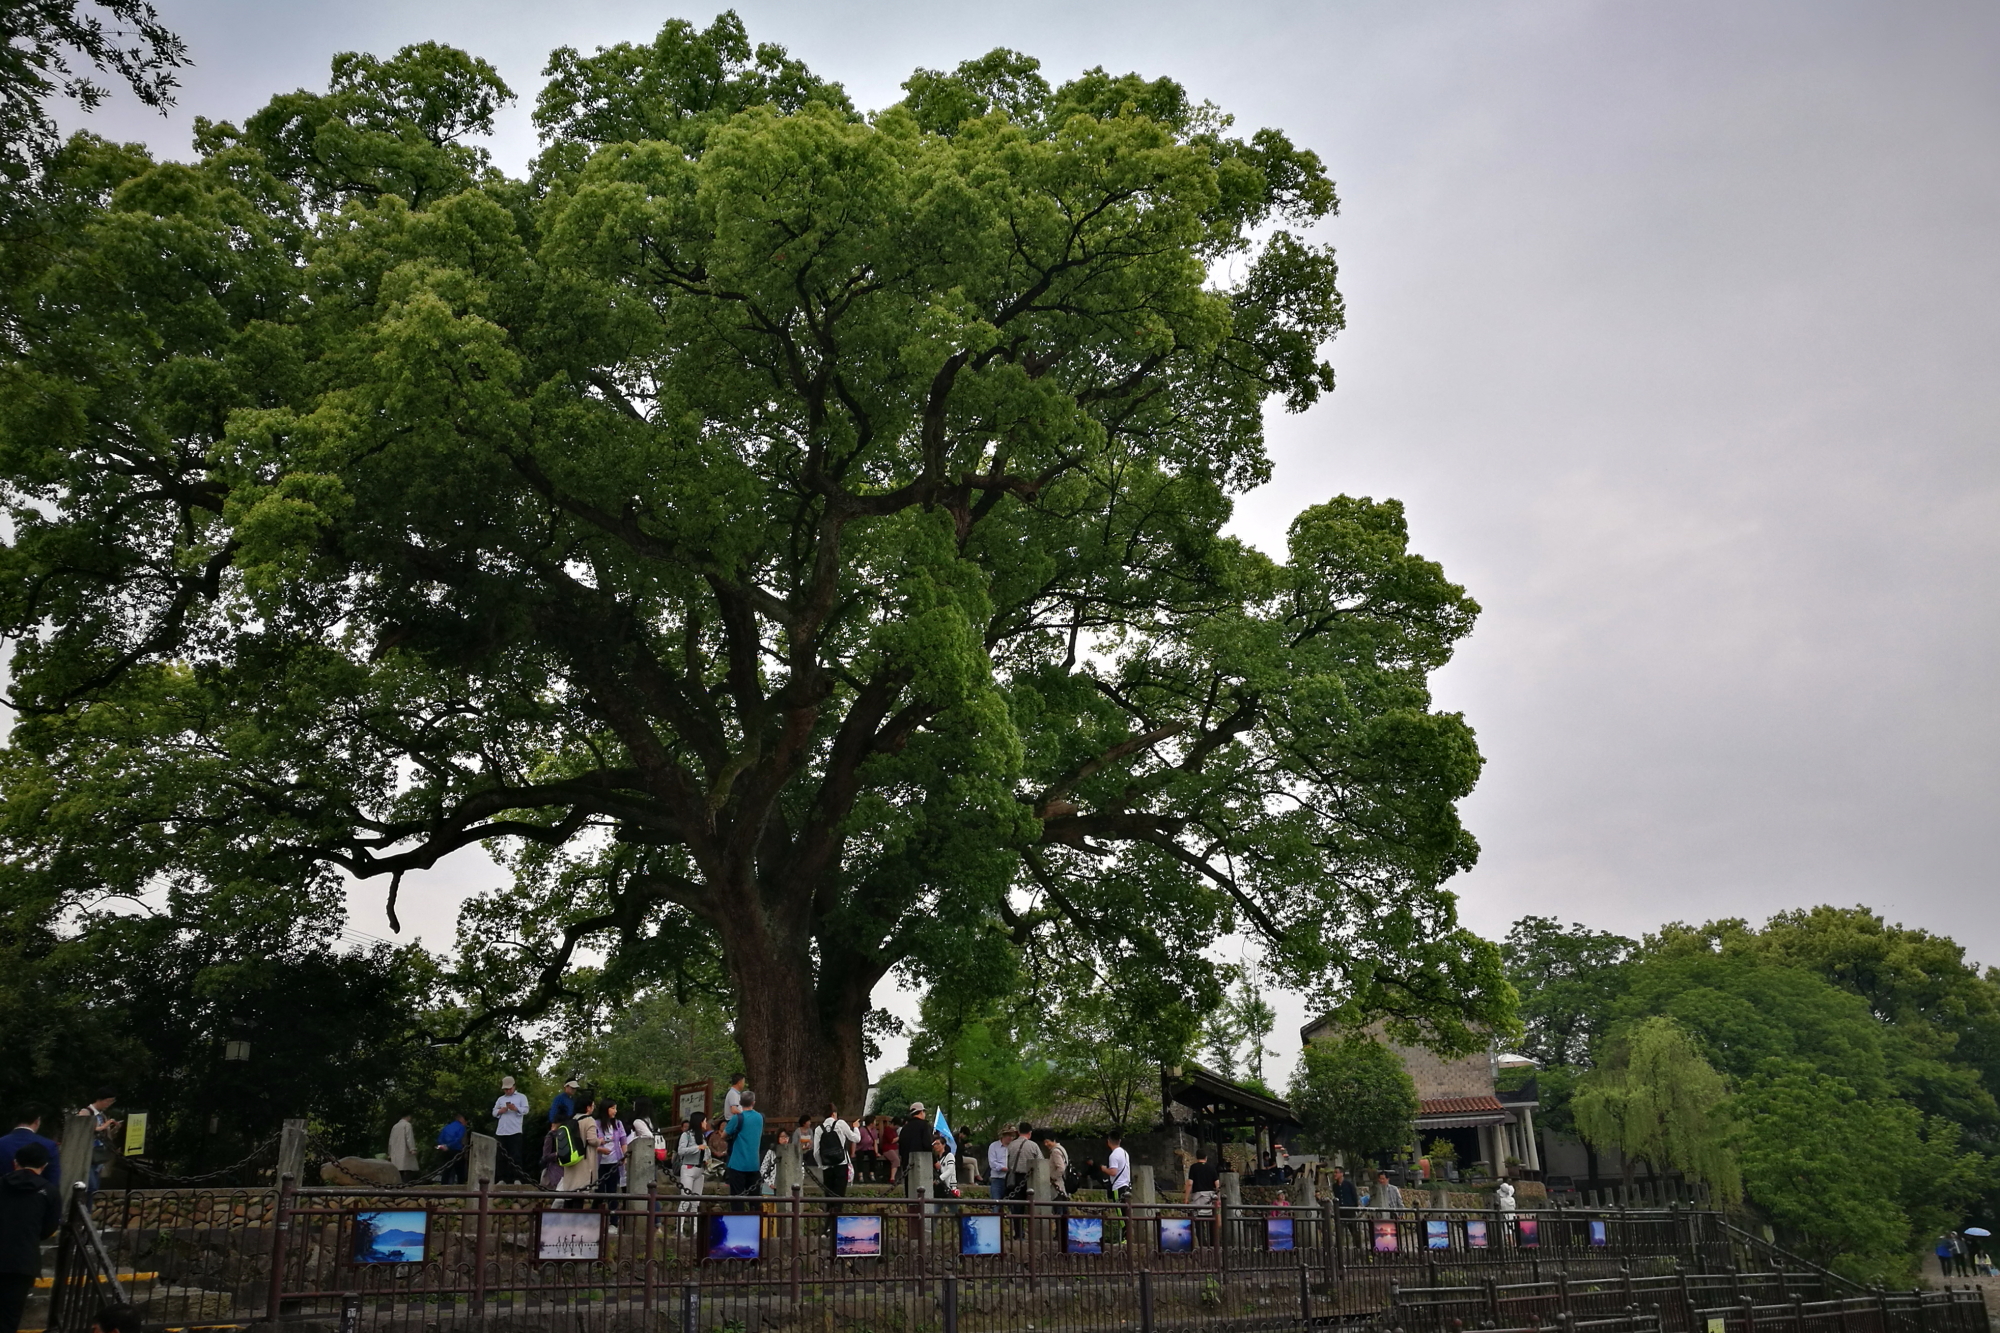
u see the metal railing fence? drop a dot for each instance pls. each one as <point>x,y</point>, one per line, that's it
<point>486,1259</point>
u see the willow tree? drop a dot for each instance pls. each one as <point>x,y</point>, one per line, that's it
<point>787,539</point>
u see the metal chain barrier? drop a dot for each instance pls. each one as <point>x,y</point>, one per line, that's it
<point>262,1154</point>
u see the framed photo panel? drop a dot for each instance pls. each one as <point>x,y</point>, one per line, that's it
<point>1600,1233</point>
<point>732,1236</point>
<point>979,1233</point>
<point>1177,1235</point>
<point>567,1234</point>
<point>1475,1235</point>
<point>390,1235</point>
<point>1437,1235</point>
<point>1528,1233</point>
<point>1385,1237</point>
<point>858,1236</point>
<point>1277,1233</point>
<point>1084,1235</point>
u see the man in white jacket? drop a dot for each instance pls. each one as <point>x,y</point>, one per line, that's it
<point>832,1151</point>
<point>403,1149</point>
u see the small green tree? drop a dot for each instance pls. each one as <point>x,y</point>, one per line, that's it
<point>656,1041</point>
<point>1658,1099</point>
<point>1567,980</point>
<point>1108,1051</point>
<point>1354,1096</point>
<point>901,1087</point>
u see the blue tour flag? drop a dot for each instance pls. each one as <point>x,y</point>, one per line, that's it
<point>950,1139</point>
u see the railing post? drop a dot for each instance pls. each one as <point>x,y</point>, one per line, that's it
<point>1749,1314</point>
<point>479,1249</point>
<point>646,1254</point>
<point>1305,1296</point>
<point>350,1312</point>
<point>950,1295</point>
<point>1231,1200</point>
<point>279,1231</point>
<point>798,1235</point>
<point>691,1308</point>
<point>1145,1300</point>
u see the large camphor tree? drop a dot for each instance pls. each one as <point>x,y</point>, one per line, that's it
<point>791,541</point>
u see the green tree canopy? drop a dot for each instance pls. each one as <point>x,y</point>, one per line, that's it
<point>1863,1183</point>
<point>51,49</point>
<point>1568,980</point>
<point>792,541</point>
<point>1354,1096</point>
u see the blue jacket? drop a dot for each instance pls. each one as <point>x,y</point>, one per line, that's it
<point>562,1108</point>
<point>14,1138</point>
<point>452,1135</point>
<point>746,1141</point>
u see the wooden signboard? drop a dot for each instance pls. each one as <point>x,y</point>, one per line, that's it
<point>692,1097</point>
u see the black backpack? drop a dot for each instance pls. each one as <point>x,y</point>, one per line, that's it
<point>836,1154</point>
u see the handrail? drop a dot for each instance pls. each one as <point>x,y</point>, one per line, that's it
<point>79,1232</point>
<point>1772,1247</point>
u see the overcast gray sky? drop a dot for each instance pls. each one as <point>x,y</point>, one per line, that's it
<point>1673,324</point>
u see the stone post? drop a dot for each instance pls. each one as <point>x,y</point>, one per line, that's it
<point>291,1152</point>
<point>791,1170</point>
<point>968,1171</point>
<point>1042,1190</point>
<point>641,1167</point>
<point>918,1181</point>
<point>1232,1208</point>
<point>1142,1185</point>
<point>78,1141</point>
<point>482,1156</point>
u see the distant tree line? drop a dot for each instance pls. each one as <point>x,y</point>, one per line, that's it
<point>1836,1073</point>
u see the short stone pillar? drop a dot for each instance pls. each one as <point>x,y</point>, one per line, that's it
<point>1231,1185</point>
<point>641,1167</point>
<point>482,1156</point>
<point>292,1150</point>
<point>79,1145</point>
<point>791,1173</point>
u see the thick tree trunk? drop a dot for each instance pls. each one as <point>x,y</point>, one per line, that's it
<point>775,1002</point>
<point>800,1027</point>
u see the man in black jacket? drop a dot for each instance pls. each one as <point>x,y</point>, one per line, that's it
<point>30,1211</point>
<point>915,1136</point>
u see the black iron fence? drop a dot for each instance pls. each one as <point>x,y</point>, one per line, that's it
<point>444,1259</point>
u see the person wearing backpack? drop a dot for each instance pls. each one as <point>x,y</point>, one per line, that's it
<point>578,1143</point>
<point>833,1150</point>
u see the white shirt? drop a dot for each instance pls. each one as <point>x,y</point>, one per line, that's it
<point>1120,1163</point>
<point>996,1159</point>
<point>509,1110</point>
<point>732,1102</point>
<point>849,1137</point>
